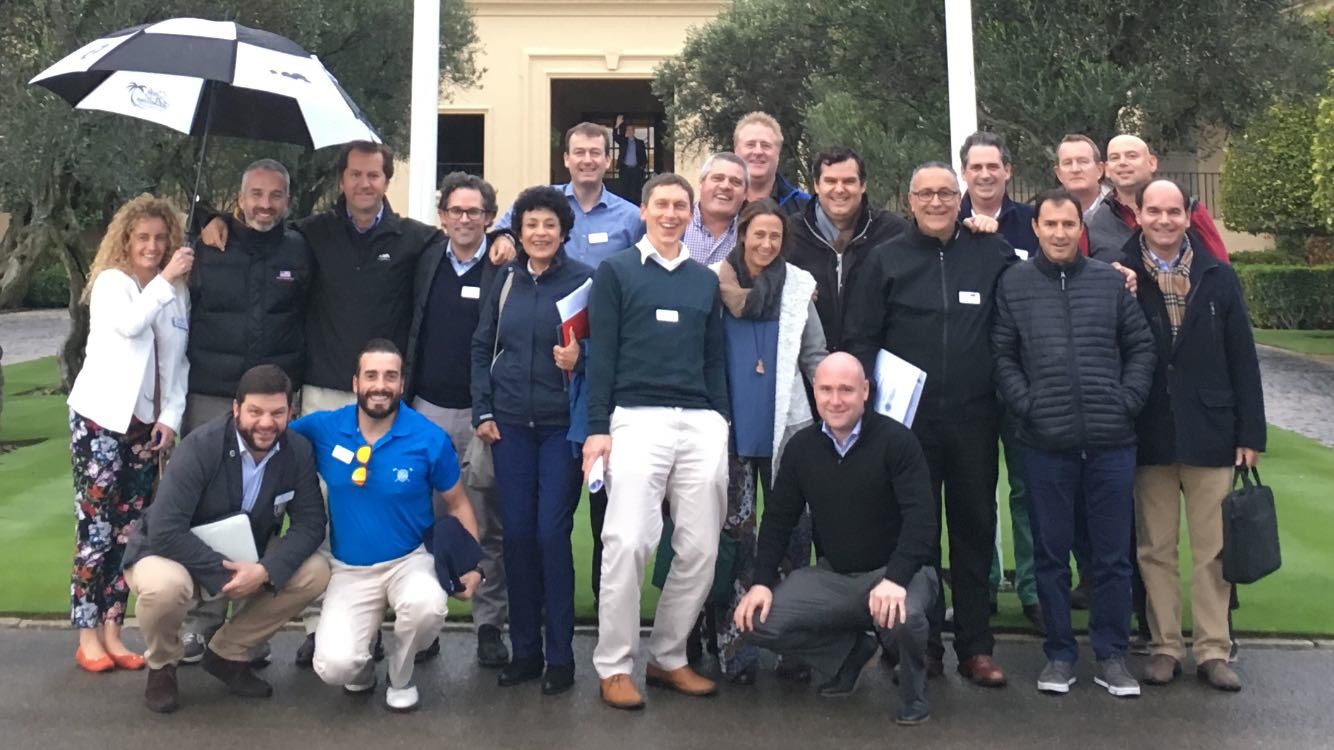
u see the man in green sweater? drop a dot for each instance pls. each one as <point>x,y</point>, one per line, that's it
<point>866,482</point>
<point>657,421</point>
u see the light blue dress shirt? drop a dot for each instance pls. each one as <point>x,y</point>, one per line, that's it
<point>611,226</point>
<point>252,473</point>
<point>846,445</point>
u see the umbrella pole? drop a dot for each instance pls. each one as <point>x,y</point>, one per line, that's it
<point>199,168</point>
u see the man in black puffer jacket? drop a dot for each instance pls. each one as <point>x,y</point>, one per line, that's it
<point>247,303</point>
<point>1074,361</point>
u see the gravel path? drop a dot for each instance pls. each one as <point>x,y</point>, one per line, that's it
<point>1299,391</point>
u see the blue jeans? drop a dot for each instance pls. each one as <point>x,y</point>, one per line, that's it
<point>538,480</point>
<point>1100,482</point>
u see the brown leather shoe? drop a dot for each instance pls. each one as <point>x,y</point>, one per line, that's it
<point>683,680</point>
<point>1217,673</point>
<point>618,691</point>
<point>161,694</point>
<point>1161,669</point>
<point>982,670</point>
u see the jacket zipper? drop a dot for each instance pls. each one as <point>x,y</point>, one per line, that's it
<point>838,262</point>
<point>944,329</point>
<point>1074,365</point>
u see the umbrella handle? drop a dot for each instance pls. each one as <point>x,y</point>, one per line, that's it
<point>199,168</point>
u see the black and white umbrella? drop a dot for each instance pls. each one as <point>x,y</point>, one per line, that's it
<point>211,77</point>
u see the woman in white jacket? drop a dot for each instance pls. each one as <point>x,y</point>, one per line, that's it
<point>125,408</point>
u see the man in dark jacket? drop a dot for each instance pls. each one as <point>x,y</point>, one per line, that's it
<point>986,172</point>
<point>867,486</point>
<point>246,463</point>
<point>833,236</point>
<point>1074,360</point>
<point>758,139</point>
<point>447,293</point>
<point>926,296</point>
<point>1204,415</point>
<point>247,302</point>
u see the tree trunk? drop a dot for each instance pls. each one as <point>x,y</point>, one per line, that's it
<point>20,257</point>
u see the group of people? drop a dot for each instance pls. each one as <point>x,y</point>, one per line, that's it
<point>734,326</point>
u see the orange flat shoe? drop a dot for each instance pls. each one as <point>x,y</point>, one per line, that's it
<point>104,664</point>
<point>128,661</point>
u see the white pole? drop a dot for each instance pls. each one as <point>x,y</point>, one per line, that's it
<point>963,85</point>
<point>425,110</point>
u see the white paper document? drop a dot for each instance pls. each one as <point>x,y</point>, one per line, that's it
<point>597,475</point>
<point>898,387</point>
<point>231,537</point>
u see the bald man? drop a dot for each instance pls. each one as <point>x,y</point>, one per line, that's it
<point>1131,164</point>
<point>865,480</point>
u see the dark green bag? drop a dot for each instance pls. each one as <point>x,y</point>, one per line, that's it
<point>724,570</point>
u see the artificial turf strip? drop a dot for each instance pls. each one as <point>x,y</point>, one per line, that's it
<point>36,524</point>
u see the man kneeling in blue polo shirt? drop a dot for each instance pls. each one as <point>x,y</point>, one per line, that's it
<point>384,464</point>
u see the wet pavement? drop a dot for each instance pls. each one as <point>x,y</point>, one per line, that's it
<point>32,334</point>
<point>46,702</point>
<point>1299,394</point>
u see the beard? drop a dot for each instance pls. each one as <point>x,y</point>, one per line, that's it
<point>377,412</point>
<point>248,436</point>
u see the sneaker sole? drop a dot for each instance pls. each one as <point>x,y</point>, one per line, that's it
<point>912,722</point>
<point>192,658</point>
<point>1055,688</point>
<point>1119,692</point>
<point>359,689</point>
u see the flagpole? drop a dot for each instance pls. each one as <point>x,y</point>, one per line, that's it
<point>424,120</point>
<point>962,84</point>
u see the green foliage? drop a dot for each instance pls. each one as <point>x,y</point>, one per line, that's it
<point>1289,296</point>
<point>873,73</point>
<point>1266,179</point>
<point>1322,158</point>
<point>49,288</point>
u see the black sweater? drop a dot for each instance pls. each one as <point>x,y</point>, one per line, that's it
<point>871,509</point>
<point>656,338</point>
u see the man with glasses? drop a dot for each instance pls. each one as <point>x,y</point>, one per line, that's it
<point>448,291</point>
<point>387,468</point>
<point>927,296</point>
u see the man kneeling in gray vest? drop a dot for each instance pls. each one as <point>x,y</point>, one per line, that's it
<point>245,462</point>
<point>866,482</point>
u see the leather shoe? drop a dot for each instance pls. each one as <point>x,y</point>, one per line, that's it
<point>982,670</point>
<point>238,676</point>
<point>428,653</point>
<point>1217,673</point>
<point>558,679</point>
<point>618,691</point>
<point>161,695</point>
<point>844,682</point>
<point>520,670</point>
<point>491,651</point>
<point>305,653</point>
<point>1161,669</point>
<point>684,680</point>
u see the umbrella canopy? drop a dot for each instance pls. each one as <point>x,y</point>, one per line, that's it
<point>211,78</point>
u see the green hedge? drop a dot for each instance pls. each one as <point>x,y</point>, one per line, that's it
<point>1289,296</point>
<point>49,288</point>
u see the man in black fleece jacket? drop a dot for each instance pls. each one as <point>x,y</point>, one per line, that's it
<point>866,483</point>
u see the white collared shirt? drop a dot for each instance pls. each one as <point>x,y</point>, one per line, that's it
<point>647,250</point>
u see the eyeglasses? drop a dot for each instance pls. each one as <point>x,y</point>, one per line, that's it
<point>926,196</point>
<point>472,213</point>
<point>360,474</point>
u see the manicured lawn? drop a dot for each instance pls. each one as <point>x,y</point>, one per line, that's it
<point>1302,342</point>
<point>36,523</point>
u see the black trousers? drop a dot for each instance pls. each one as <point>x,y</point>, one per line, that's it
<point>962,456</point>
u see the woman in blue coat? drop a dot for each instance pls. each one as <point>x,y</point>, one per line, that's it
<point>521,409</point>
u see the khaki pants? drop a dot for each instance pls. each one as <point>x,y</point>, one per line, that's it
<point>166,592</point>
<point>1158,493</point>
<point>658,452</point>
<point>313,399</point>
<point>354,607</point>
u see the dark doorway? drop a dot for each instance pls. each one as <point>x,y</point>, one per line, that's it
<point>461,144</point>
<point>602,101</point>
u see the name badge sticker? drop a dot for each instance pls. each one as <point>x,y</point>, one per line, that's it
<point>181,323</point>
<point>471,292</point>
<point>342,454</point>
<point>668,316</point>
<point>280,502</point>
<point>597,238</point>
<point>1022,253</point>
<point>970,298</point>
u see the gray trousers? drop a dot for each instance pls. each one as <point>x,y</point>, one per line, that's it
<point>490,603</point>
<point>817,614</point>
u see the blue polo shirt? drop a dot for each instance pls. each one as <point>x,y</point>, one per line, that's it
<point>387,517</point>
<point>612,225</point>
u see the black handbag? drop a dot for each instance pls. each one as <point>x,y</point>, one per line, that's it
<point>1250,530</point>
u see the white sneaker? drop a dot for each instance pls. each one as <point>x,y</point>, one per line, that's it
<point>401,699</point>
<point>364,682</point>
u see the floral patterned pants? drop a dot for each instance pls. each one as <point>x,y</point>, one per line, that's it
<point>745,476</point>
<point>113,483</point>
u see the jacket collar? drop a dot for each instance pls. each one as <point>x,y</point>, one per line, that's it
<point>966,207</point>
<point>389,221</point>
<point>1201,261</point>
<point>859,226</point>
<point>921,239</point>
<point>1053,270</point>
<point>247,236</point>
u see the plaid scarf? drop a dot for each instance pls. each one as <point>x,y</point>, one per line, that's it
<point>1173,282</point>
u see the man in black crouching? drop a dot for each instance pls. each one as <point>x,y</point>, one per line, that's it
<point>866,482</point>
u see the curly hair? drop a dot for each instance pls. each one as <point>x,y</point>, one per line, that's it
<point>114,250</point>
<point>548,199</point>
